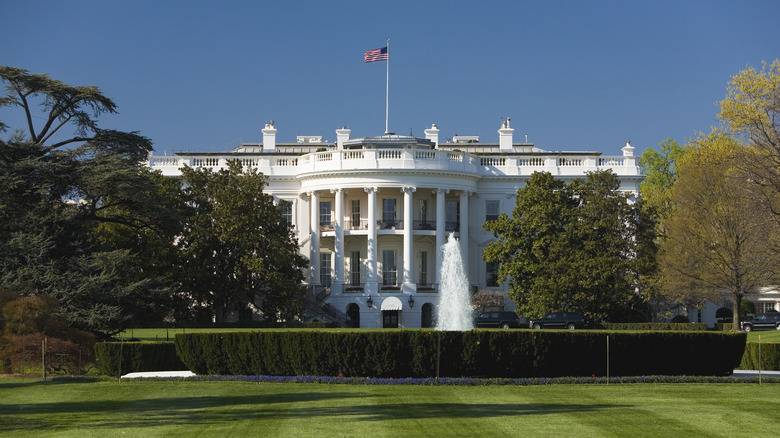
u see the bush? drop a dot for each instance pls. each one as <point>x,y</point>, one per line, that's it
<point>117,358</point>
<point>769,359</point>
<point>687,326</point>
<point>484,353</point>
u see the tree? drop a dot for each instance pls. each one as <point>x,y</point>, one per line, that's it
<point>659,168</point>
<point>239,251</point>
<point>719,237</point>
<point>583,246</point>
<point>751,111</point>
<point>56,189</point>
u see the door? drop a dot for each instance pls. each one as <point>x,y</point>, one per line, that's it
<point>390,319</point>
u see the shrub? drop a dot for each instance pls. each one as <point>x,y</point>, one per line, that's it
<point>485,353</point>
<point>769,359</point>
<point>687,326</point>
<point>117,358</point>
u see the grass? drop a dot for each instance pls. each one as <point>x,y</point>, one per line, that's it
<point>768,336</point>
<point>173,408</point>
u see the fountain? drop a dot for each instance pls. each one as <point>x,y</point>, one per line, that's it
<point>454,312</point>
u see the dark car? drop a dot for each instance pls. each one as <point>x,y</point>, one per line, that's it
<point>559,320</point>
<point>763,321</point>
<point>498,319</point>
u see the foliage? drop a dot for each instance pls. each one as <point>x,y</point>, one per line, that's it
<point>487,299</point>
<point>238,249</point>
<point>746,307</point>
<point>119,358</point>
<point>659,168</point>
<point>687,326</point>
<point>581,247</point>
<point>488,353</point>
<point>57,189</point>
<point>751,111</point>
<point>718,238</point>
<point>767,359</point>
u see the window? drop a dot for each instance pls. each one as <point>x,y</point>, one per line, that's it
<point>356,213</point>
<point>491,210</point>
<point>325,214</point>
<point>766,307</point>
<point>491,274</point>
<point>423,212</point>
<point>452,212</point>
<point>422,279</point>
<point>389,272</point>
<point>286,209</point>
<point>354,268</point>
<point>388,212</point>
<point>325,269</point>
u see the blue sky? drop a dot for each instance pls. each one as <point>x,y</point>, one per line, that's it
<point>573,75</point>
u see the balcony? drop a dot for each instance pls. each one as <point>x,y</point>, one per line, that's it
<point>411,159</point>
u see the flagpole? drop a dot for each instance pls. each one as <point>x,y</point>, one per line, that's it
<point>387,90</point>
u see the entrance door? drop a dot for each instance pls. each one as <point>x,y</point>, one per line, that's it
<point>390,319</point>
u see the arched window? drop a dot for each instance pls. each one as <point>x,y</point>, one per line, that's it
<point>427,315</point>
<point>353,315</point>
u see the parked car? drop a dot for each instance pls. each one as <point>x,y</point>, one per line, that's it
<point>497,319</point>
<point>762,321</point>
<point>560,320</point>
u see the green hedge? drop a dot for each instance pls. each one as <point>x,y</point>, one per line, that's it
<point>485,353</point>
<point>769,360</point>
<point>683,326</point>
<point>137,356</point>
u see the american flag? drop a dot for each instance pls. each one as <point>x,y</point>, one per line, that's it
<point>376,55</point>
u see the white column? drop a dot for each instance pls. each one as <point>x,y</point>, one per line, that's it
<point>371,249</point>
<point>464,229</point>
<point>408,230</point>
<point>440,231</point>
<point>314,226</point>
<point>339,241</point>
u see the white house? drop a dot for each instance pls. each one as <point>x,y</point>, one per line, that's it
<point>371,213</point>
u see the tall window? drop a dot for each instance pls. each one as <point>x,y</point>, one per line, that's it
<point>356,213</point>
<point>422,279</point>
<point>423,211</point>
<point>325,269</point>
<point>325,215</point>
<point>354,268</point>
<point>286,209</point>
<point>452,223</point>
<point>388,212</point>
<point>491,274</point>
<point>491,210</point>
<point>389,272</point>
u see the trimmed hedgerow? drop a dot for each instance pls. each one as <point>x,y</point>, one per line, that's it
<point>483,353</point>
<point>117,358</point>
<point>682,326</point>
<point>768,361</point>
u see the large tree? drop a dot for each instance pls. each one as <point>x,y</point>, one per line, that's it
<point>583,246</point>
<point>239,251</point>
<point>719,237</point>
<point>751,112</point>
<point>61,177</point>
<point>659,168</point>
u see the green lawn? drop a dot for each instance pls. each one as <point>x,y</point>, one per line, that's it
<point>158,408</point>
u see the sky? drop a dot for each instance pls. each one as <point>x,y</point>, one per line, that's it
<point>204,76</point>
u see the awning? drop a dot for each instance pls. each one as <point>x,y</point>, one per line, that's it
<point>391,303</point>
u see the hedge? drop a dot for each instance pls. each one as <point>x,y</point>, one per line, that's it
<point>136,357</point>
<point>477,353</point>
<point>769,360</point>
<point>683,326</point>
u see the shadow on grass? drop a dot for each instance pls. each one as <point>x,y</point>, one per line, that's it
<point>204,410</point>
<point>58,380</point>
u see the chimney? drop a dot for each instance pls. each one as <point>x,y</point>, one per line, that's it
<point>628,150</point>
<point>505,136</point>
<point>269,137</point>
<point>342,135</point>
<point>433,134</point>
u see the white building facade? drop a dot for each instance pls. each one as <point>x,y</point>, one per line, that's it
<point>372,213</point>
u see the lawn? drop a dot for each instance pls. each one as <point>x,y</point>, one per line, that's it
<point>170,408</point>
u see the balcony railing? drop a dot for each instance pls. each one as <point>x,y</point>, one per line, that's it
<point>393,159</point>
